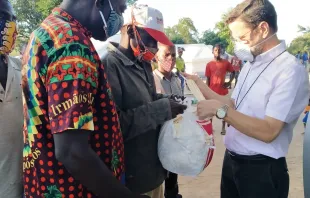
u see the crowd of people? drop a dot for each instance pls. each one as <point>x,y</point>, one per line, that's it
<point>303,58</point>
<point>73,125</point>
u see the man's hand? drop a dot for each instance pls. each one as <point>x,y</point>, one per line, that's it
<point>207,108</point>
<point>192,77</point>
<point>176,108</point>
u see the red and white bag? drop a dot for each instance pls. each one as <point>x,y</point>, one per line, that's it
<point>186,144</point>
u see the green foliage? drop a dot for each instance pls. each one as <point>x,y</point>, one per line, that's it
<point>46,6</point>
<point>131,2</point>
<point>301,43</point>
<point>30,13</point>
<point>184,32</point>
<point>27,15</point>
<point>210,37</point>
<point>224,33</point>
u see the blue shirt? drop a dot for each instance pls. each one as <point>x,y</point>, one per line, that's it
<point>305,57</point>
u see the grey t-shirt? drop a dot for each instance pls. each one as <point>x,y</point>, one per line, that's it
<point>11,137</point>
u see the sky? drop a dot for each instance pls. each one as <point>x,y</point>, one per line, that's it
<point>205,13</point>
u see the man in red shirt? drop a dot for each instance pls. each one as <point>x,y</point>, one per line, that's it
<point>216,71</point>
<point>236,63</point>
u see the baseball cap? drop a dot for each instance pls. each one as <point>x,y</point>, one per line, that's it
<point>148,18</point>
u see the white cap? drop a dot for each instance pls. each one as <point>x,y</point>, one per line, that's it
<point>150,19</point>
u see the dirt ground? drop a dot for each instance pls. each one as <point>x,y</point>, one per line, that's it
<point>207,185</point>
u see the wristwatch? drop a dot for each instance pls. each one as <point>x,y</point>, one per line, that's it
<point>221,113</point>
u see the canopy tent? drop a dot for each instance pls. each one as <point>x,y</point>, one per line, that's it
<point>101,46</point>
<point>196,57</point>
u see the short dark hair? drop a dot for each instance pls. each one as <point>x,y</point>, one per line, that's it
<point>254,12</point>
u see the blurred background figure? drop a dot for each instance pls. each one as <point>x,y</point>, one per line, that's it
<point>167,82</point>
<point>305,119</point>
<point>299,56</point>
<point>236,63</point>
<point>180,66</point>
<point>305,59</point>
<point>224,55</point>
<point>216,71</point>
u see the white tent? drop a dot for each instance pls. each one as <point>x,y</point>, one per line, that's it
<point>196,56</point>
<point>101,46</point>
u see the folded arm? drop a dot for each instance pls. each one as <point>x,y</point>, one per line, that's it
<point>137,121</point>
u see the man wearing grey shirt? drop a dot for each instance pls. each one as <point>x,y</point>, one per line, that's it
<point>168,82</point>
<point>11,116</point>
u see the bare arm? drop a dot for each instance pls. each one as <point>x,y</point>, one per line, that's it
<point>85,165</point>
<point>209,94</point>
<point>266,129</point>
<point>285,104</point>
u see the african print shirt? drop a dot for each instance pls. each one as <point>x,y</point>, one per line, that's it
<point>65,88</point>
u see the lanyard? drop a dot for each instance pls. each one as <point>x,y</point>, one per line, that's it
<point>237,105</point>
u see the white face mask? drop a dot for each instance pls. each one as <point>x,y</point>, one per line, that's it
<point>243,51</point>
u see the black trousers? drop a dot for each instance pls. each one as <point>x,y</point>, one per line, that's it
<point>171,186</point>
<point>256,176</point>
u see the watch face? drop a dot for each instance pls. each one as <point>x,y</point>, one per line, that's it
<point>221,113</point>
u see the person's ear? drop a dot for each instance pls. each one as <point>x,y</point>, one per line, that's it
<point>265,29</point>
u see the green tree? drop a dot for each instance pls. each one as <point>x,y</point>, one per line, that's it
<point>301,43</point>
<point>174,36</point>
<point>46,6</point>
<point>184,32</point>
<point>210,37</point>
<point>28,17</point>
<point>224,33</point>
<point>30,13</point>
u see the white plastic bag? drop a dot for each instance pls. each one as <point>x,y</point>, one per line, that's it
<point>186,145</point>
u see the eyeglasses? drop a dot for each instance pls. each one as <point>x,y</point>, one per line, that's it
<point>240,38</point>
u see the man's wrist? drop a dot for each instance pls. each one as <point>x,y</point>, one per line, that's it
<point>216,107</point>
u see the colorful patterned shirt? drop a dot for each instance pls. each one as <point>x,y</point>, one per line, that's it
<point>65,87</point>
